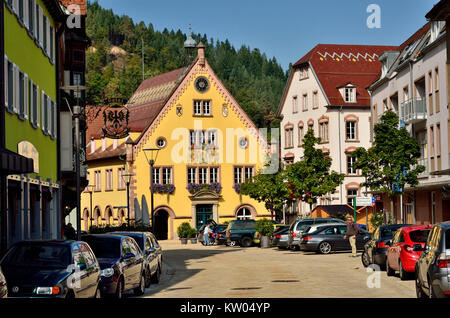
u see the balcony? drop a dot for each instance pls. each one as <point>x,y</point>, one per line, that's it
<point>423,162</point>
<point>413,111</point>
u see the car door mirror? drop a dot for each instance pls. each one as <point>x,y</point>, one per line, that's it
<point>129,255</point>
<point>150,250</point>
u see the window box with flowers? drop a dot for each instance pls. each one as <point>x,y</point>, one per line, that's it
<point>164,189</point>
<point>195,187</point>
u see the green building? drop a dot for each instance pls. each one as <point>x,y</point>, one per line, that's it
<point>30,121</point>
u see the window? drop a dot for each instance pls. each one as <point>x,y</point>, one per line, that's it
<point>9,88</point>
<point>205,175</point>
<point>161,142</point>
<point>109,179</point>
<point>38,23</point>
<point>21,98</point>
<point>294,104</point>
<point>167,175</point>
<point>34,104</point>
<point>213,175</point>
<point>323,131</point>
<point>98,180</point>
<point>351,130</point>
<point>305,102</point>
<point>351,193</point>
<point>77,80</point>
<point>436,89</point>
<point>31,16</point>
<point>315,100</point>
<point>21,9</point>
<point>202,108</point>
<point>162,175</point>
<point>192,175</point>
<point>289,137</point>
<point>430,92</point>
<point>244,214</point>
<point>120,179</point>
<point>241,174</point>
<point>405,94</point>
<point>350,164</point>
<point>350,95</point>
<point>44,29</point>
<point>203,137</point>
<point>156,176</point>
<point>202,175</point>
<point>300,134</point>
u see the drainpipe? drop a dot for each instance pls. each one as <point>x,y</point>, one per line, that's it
<point>340,150</point>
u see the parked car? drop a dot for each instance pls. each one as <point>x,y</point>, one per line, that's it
<point>299,225</point>
<point>400,255</point>
<point>315,227</point>
<point>329,238</point>
<point>221,237</point>
<point>3,285</point>
<point>121,262</point>
<point>51,269</point>
<point>218,229</point>
<point>257,236</point>
<point>241,232</point>
<point>375,250</point>
<point>433,266</point>
<point>280,237</point>
<point>152,252</point>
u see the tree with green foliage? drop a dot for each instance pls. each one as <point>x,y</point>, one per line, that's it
<point>391,163</point>
<point>311,178</point>
<point>268,188</point>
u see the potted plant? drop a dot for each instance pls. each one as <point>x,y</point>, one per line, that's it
<point>193,235</point>
<point>183,232</point>
<point>264,227</point>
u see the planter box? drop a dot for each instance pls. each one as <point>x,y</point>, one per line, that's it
<point>265,242</point>
<point>193,240</point>
<point>183,240</point>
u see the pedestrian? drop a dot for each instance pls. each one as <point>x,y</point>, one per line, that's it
<point>352,230</point>
<point>206,234</point>
<point>70,232</point>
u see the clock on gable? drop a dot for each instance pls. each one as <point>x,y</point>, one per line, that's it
<point>201,84</point>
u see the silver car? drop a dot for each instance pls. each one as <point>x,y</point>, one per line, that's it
<point>298,226</point>
<point>433,266</point>
<point>315,227</point>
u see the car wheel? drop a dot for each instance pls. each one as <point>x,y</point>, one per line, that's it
<point>156,276</point>
<point>365,259</point>
<point>389,270</point>
<point>246,242</point>
<point>403,274</point>
<point>148,280</point>
<point>232,243</point>
<point>140,290</point>
<point>419,290</point>
<point>119,289</point>
<point>325,248</point>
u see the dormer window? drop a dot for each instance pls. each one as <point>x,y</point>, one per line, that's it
<point>303,73</point>
<point>350,94</point>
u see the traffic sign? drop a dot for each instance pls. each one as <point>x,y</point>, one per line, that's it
<point>365,201</point>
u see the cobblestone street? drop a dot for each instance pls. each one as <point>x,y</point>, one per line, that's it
<point>197,271</point>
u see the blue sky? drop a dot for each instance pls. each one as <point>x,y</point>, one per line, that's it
<point>285,29</point>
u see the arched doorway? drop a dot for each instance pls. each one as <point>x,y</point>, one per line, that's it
<point>97,217</point>
<point>109,216</point>
<point>85,220</point>
<point>161,229</point>
<point>121,217</point>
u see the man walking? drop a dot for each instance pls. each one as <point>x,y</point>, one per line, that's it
<point>352,230</point>
<point>206,234</point>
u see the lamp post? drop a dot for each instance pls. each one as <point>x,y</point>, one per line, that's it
<point>127,179</point>
<point>91,189</point>
<point>76,116</point>
<point>151,158</point>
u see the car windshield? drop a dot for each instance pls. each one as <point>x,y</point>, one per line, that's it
<point>39,256</point>
<point>419,236</point>
<point>104,247</point>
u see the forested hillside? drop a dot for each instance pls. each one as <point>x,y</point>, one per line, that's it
<point>114,62</point>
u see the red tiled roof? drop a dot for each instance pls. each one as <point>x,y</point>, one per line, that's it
<point>109,152</point>
<point>145,104</point>
<point>81,3</point>
<point>339,65</point>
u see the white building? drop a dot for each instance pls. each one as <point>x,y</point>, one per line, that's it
<point>326,91</point>
<point>413,83</point>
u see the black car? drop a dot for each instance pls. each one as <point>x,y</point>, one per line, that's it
<point>376,248</point>
<point>329,238</point>
<point>280,237</point>
<point>220,228</point>
<point>221,237</point>
<point>153,254</point>
<point>52,269</point>
<point>3,286</point>
<point>241,232</point>
<point>121,262</point>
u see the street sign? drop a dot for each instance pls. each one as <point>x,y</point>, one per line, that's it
<point>365,201</point>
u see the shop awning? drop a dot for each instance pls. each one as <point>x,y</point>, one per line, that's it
<point>13,163</point>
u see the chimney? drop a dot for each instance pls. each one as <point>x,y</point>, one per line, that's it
<point>201,54</point>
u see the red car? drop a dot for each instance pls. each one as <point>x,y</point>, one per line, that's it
<point>401,255</point>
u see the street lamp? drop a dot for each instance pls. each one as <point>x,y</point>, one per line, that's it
<point>151,158</point>
<point>127,179</point>
<point>91,189</point>
<point>76,116</point>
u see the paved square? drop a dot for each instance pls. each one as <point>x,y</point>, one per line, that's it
<point>197,271</point>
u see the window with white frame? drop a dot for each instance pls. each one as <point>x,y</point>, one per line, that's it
<point>350,165</point>
<point>98,180</point>
<point>350,96</point>
<point>351,193</point>
<point>323,131</point>
<point>351,130</point>
<point>214,175</point>
<point>315,100</point>
<point>34,105</point>
<point>120,178</point>
<point>294,104</point>
<point>156,176</point>
<point>300,134</point>
<point>162,175</point>
<point>289,137</point>
<point>305,102</point>
<point>109,179</point>
<point>202,175</point>
<point>244,214</point>
<point>242,173</point>
<point>192,175</point>
<point>202,107</point>
<point>166,175</point>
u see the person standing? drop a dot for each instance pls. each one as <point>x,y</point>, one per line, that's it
<point>206,234</point>
<point>352,230</point>
<point>70,232</point>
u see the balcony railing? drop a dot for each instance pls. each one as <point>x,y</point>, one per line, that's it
<point>423,162</point>
<point>413,111</point>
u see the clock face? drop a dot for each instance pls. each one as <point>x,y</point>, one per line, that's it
<point>201,84</point>
<point>243,142</point>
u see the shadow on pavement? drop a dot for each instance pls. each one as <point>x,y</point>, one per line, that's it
<point>176,262</point>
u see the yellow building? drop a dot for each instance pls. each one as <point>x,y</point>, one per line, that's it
<point>206,144</point>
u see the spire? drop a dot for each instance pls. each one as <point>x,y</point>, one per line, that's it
<point>190,42</point>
